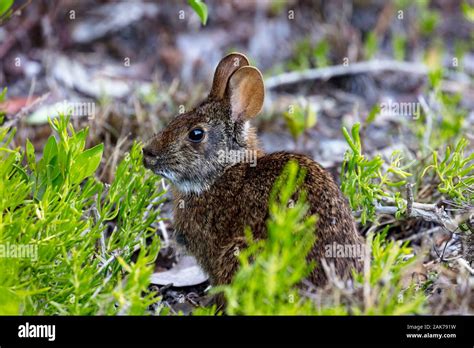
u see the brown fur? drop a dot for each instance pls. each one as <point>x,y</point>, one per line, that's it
<point>215,201</point>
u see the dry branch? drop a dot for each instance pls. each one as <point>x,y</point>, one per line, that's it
<point>350,69</point>
<point>421,234</point>
<point>462,262</point>
<point>427,212</point>
<point>26,109</point>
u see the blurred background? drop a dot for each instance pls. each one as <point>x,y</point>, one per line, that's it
<point>136,64</point>
<point>127,67</point>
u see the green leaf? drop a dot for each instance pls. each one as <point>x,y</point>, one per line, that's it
<point>50,150</point>
<point>428,21</point>
<point>200,8</point>
<point>86,163</point>
<point>371,45</point>
<point>295,122</point>
<point>30,154</point>
<point>468,11</point>
<point>434,77</point>
<point>321,52</point>
<point>349,140</point>
<point>356,136</point>
<point>44,209</point>
<point>5,6</point>
<point>3,94</point>
<point>399,47</point>
<point>373,114</point>
<point>311,117</point>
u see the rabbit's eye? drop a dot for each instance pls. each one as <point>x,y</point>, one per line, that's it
<point>196,135</point>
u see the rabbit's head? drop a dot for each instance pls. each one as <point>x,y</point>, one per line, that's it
<point>197,146</point>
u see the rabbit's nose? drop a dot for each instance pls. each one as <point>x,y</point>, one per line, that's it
<point>149,158</point>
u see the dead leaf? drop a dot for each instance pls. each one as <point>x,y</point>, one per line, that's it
<point>186,272</point>
<point>92,83</point>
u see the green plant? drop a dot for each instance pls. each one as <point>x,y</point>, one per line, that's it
<point>467,10</point>
<point>301,55</point>
<point>447,116</point>
<point>453,118</point>
<point>399,43</point>
<point>277,7</point>
<point>307,55</point>
<point>3,94</point>
<point>386,292</point>
<point>371,45</point>
<point>460,50</point>
<point>455,172</point>
<point>299,119</point>
<point>374,112</point>
<point>321,53</point>
<point>429,20</point>
<point>5,8</point>
<point>366,181</point>
<point>81,234</point>
<point>200,8</point>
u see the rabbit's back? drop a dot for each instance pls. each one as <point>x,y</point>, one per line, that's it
<point>211,225</point>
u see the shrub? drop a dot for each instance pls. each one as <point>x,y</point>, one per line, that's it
<point>365,181</point>
<point>81,233</point>
<point>455,172</point>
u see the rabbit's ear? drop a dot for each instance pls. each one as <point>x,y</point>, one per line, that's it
<point>246,93</point>
<point>226,67</point>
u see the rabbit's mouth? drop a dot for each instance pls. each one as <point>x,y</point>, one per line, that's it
<point>153,163</point>
<point>183,185</point>
<point>150,162</point>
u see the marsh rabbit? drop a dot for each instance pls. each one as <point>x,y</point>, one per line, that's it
<point>216,198</point>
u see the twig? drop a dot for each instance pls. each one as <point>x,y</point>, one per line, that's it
<point>465,264</point>
<point>330,271</point>
<point>441,258</point>
<point>368,300</point>
<point>116,253</point>
<point>429,121</point>
<point>427,212</point>
<point>420,234</point>
<point>161,224</point>
<point>409,199</point>
<point>339,70</point>
<point>24,110</point>
<point>164,233</point>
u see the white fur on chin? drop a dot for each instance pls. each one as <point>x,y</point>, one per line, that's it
<point>184,186</point>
